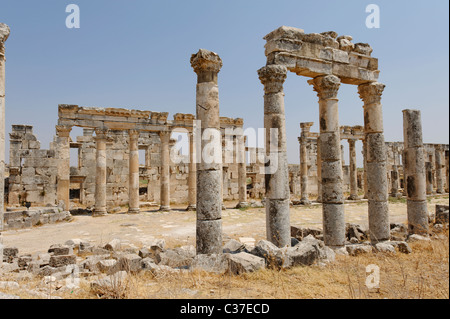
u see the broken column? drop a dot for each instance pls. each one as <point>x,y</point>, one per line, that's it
<point>415,173</point>
<point>206,65</point>
<point>330,147</point>
<point>133,178</point>
<point>192,176</point>
<point>4,34</point>
<point>306,127</point>
<point>439,169</point>
<point>277,172</point>
<point>353,171</point>
<point>165,171</point>
<point>63,155</point>
<point>377,186</point>
<point>242,171</point>
<point>100,177</point>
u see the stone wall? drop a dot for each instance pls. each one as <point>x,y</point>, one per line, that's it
<point>21,219</point>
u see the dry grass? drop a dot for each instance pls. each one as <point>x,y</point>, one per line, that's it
<point>422,274</point>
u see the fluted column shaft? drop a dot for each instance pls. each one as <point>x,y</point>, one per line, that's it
<point>165,171</point>
<point>133,178</point>
<point>206,65</point>
<point>377,185</point>
<point>415,173</point>
<point>330,148</point>
<point>100,177</point>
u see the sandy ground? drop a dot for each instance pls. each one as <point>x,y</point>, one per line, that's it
<point>178,227</point>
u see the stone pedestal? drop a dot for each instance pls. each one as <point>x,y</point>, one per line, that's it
<point>206,65</point>
<point>415,173</point>
<point>133,179</point>
<point>377,185</point>
<point>165,171</point>
<point>353,171</point>
<point>63,156</point>
<point>330,147</point>
<point>192,176</point>
<point>100,177</point>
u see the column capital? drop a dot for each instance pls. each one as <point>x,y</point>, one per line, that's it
<point>63,130</point>
<point>272,77</point>
<point>4,34</point>
<point>306,126</point>
<point>133,134</point>
<point>100,133</point>
<point>206,61</point>
<point>164,136</point>
<point>326,86</point>
<point>371,92</point>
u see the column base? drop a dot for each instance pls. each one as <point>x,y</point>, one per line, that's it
<point>99,213</point>
<point>305,201</point>
<point>164,209</point>
<point>353,197</point>
<point>191,208</point>
<point>242,205</point>
<point>134,211</point>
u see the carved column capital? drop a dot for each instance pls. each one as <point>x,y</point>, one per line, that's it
<point>326,86</point>
<point>63,130</point>
<point>206,61</point>
<point>4,34</point>
<point>133,134</point>
<point>371,92</point>
<point>100,133</point>
<point>273,77</point>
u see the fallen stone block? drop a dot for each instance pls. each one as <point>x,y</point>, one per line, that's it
<point>274,256</point>
<point>233,247</point>
<point>129,263</point>
<point>107,265</point>
<point>178,258</point>
<point>59,250</point>
<point>385,248</point>
<point>62,260</point>
<point>9,253</point>
<point>113,245</point>
<point>244,262</point>
<point>304,254</point>
<point>415,237</point>
<point>217,263</point>
<point>358,249</point>
<point>24,261</point>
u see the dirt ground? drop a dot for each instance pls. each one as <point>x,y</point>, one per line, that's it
<point>178,227</point>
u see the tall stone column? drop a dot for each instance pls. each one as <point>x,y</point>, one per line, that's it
<point>377,186</point>
<point>277,174</point>
<point>364,151</point>
<point>429,177</point>
<point>165,171</point>
<point>192,176</point>
<point>330,147</point>
<point>415,173</point>
<point>100,177</point>
<point>242,171</point>
<point>306,127</point>
<point>447,185</point>
<point>439,169</point>
<point>63,156</point>
<point>319,173</point>
<point>353,171</point>
<point>133,179</point>
<point>4,34</point>
<point>395,181</point>
<point>206,65</point>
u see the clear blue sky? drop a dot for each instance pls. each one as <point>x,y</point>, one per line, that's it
<point>135,54</point>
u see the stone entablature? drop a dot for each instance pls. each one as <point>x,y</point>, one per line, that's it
<point>316,54</point>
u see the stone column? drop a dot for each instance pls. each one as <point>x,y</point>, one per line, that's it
<point>165,171</point>
<point>330,147</point>
<point>63,156</point>
<point>353,171</point>
<point>4,34</point>
<point>206,65</point>
<point>439,169</point>
<point>133,179</point>
<point>447,155</point>
<point>319,172</point>
<point>377,186</point>
<point>242,171</point>
<point>100,177</point>
<point>395,182</point>
<point>192,176</point>
<point>415,173</point>
<point>306,127</point>
<point>364,152</point>
<point>429,177</point>
<point>277,173</point>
